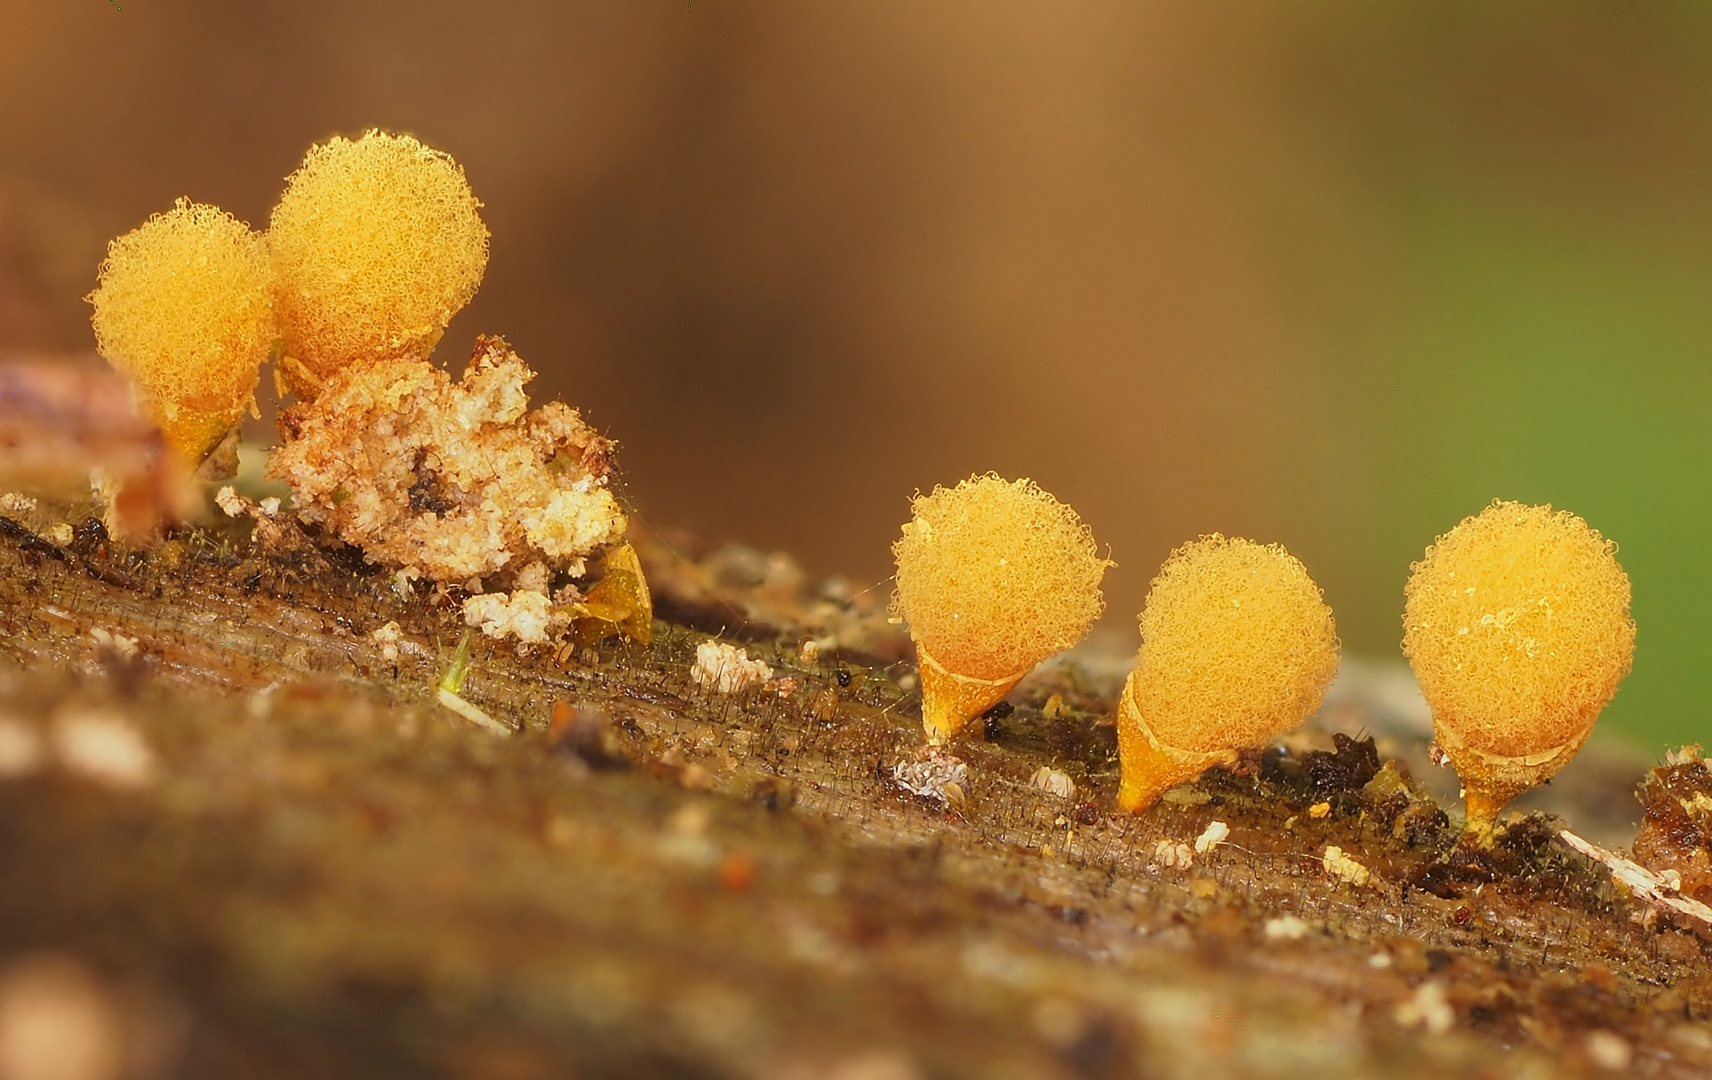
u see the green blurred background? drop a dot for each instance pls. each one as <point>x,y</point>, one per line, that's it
<point>1333,274</point>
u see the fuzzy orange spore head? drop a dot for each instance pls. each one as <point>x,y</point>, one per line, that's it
<point>1237,645</point>
<point>994,576</point>
<point>184,307</point>
<point>1517,625</point>
<point>376,243</point>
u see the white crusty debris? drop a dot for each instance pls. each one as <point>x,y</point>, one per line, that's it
<point>1427,1008</point>
<point>1171,854</point>
<point>727,669</point>
<point>125,648</point>
<point>1053,782</point>
<point>1344,868</point>
<point>1210,838</point>
<point>527,616</point>
<point>453,480</point>
<point>388,637</point>
<point>933,775</point>
<point>1286,928</point>
<point>1660,889</point>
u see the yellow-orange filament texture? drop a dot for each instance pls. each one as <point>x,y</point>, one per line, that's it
<point>184,307</point>
<point>376,244</point>
<point>1237,645</point>
<point>1517,625</point>
<point>994,576</point>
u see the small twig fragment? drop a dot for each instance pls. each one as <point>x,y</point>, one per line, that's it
<point>1659,890</point>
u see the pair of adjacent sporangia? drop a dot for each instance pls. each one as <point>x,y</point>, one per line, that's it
<point>1516,623</point>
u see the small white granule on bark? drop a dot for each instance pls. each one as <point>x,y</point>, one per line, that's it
<point>231,503</point>
<point>21,750</point>
<point>526,616</point>
<point>1428,1008</point>
<point>1054,782</point>
<point>13,503</point>
<point>1344,868</point>
<point>727,669</point>
<point>1170,854</point>
<point>388,637</point>
<point>1212,837</point>
<point>1286,928</point>
<point>61,534</point>
<point>934,775</point>
<point>106,748</point>
<point>1609,1051</point>
<point>125,648</point>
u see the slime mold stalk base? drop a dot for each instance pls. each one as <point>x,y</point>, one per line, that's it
<point>1151,768</point>
<point>1490,781</point>
<point>949,700</point>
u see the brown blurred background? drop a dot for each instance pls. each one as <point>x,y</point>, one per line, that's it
<point>1333,274</point>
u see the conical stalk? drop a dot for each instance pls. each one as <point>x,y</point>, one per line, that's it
<point>949,701</point>
<point>1151,768</point>
<point>1490,781</point>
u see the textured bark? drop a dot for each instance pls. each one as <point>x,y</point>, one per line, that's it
<point>329,874</point>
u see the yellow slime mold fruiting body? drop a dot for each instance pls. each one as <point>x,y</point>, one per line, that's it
<point>376,244</point>
<point>1237,645</point>
<point>994,576</point>
<point>184,307</point>
<point>1517,625</point>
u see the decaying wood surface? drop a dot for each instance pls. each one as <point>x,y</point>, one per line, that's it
<point>319,871</point>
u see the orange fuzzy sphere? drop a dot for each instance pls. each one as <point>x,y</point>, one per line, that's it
<point>1517,625</point>
<point>1237,644</point>
<point>376,244</point>
<point>995,576</point>
<point>184,307</point>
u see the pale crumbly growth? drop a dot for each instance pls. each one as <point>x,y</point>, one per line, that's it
<point>526,615</point>
<point>1517,625</point>
<point>1237,645</point>
<point>376,244</point>
<point>1054,782</point>
<point>727,669</point>
<point>387,637</point>
<point>451,481</point>
<point>934,775</point>
<point>1344,868</point>
<point>995,576</point>
<point>185,308</point>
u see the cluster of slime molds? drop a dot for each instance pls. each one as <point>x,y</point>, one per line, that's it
<point>1517,625</point>
<point>184,307</point>
<point>1237,645</point>
<point>376,243</point>
<point>994,576</point>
